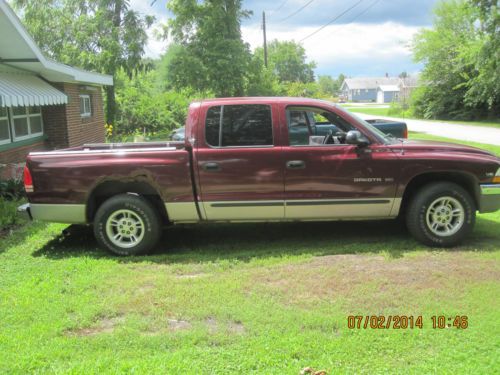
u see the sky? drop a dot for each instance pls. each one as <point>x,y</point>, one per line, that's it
<point>366,37</point>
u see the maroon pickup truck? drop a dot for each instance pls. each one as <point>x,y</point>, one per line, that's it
<point>246,159</point>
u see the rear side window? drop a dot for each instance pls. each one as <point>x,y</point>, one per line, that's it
<point>239,125</point>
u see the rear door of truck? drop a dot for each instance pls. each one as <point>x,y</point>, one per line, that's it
<point>239,161</point>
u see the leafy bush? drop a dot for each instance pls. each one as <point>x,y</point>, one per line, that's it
<point>397,109</point>
<point>143,108</point>
<point>12,189</point>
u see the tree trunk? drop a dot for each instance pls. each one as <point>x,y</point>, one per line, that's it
<point>110,90</point>
<point>111,105</point>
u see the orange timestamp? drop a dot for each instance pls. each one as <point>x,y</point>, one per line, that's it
<point>405,322</point>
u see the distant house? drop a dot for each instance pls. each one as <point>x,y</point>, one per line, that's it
<point>364,89</point>
<point>378,89</point>
<point>43,104</point>
<point>387,93</point>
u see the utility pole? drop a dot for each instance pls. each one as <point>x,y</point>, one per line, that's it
<point>265,39</point>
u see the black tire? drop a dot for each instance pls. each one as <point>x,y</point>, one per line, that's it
<point>423,220</point>
<point>142,215</point>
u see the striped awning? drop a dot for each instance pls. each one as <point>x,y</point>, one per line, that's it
<point>27,90</point>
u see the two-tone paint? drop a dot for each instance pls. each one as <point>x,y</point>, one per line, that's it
<point>197,182</point>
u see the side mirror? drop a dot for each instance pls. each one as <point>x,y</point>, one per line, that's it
<point>354,137</point>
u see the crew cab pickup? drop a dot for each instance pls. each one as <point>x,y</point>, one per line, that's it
<point>258,159</point>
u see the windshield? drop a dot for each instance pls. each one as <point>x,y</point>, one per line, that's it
<point>386,139</point>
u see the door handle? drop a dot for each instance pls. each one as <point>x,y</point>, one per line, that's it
<point>295,164</point>
<point>211,167</point>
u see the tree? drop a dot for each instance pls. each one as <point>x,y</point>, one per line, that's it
<point>461,66</point>
<point>485,86</point>
<point>99,35</point>
<point>287,60</point>
<point>329,86</point>
<point>213,55</point>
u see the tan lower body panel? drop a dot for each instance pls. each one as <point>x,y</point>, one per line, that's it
<point>182,212</point>
<point>244,210</point>
<point>339,208</point>
<point>326,209</point>
<point>59,213</point>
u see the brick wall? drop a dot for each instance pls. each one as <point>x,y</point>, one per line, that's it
<point>54,124</point>
<point>12,161</point>
<point>64,125</point>
<point>84,129</point>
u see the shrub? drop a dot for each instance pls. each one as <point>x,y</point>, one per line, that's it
<point>144,108</point>
<point>12,189</point>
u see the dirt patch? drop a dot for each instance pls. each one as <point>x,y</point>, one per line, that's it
<point>145,288</point>
<point>365,280</point>
<point>212,324</point>
<point>104,325</point>
<point>178,325</point>
<point>190,276</point>
<point>236,327</point>
<point>233,327</point>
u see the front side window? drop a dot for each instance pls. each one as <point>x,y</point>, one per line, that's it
<point>4,126</point>
<point>26,122</point>
<point>239,126</point>
<point>85,106</point>
<point>311,126</point>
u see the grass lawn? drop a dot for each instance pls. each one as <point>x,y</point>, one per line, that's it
<point>369,111</point>
<point>384,112</point>
<point>492,148</point>
<point>248,298</point>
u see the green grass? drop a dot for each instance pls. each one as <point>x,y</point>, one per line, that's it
<point>8,213</point>
<point>385,112</point>
<point>492,148</point>
<point>248,298</point>
<point>370,111</point>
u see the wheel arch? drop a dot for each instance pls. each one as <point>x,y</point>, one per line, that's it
<point>463,179</point>
<point>107,189</point>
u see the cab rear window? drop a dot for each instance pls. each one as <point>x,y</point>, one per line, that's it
<point>239,126</point>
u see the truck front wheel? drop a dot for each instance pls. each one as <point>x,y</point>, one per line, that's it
<point>441,214</point>
<point>127,224</point>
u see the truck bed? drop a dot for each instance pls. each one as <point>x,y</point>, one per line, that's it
<point>70,175</point>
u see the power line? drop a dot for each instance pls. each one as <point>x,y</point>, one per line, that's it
<point>281,6</point>
<point>332,20</point>
<point>364,11</point>
<point>297,11</point>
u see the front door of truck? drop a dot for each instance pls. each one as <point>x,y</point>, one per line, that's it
<point>239,166</point>
<point>329,179</point>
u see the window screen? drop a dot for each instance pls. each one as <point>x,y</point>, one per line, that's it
<point>85,106</point>
<point>242,125</point>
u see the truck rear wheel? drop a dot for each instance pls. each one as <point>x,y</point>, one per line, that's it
<point>127,224</point>
<point>441,214</point>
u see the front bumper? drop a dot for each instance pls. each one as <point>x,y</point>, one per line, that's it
<point>489,200</point>
<point>25,211</point>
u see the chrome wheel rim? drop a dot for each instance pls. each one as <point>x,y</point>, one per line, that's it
<point>445,216</point>
<point>125,228</point>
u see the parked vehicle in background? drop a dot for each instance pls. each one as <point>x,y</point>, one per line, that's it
<point>396,129</point>
<point>259,159</point>
<point>178,134</point>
